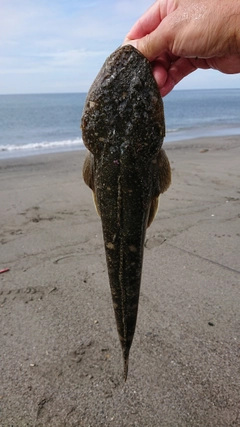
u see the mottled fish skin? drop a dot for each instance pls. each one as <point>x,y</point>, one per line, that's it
<point>123,128</point>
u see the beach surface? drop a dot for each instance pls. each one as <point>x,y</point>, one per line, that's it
<point>61,362</point>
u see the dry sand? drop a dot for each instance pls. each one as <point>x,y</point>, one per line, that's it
<point>61,362</point>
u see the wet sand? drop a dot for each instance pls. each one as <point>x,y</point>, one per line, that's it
<point>61,362</point>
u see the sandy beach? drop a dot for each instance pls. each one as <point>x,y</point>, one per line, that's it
<point>61,362</point>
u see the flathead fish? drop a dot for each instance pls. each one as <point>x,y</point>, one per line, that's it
<point>123,128</point>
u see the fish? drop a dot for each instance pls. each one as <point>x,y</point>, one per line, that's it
<point>123,128</point>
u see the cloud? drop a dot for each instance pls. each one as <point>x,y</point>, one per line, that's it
<point>46,61</point>
<point>132,9</point>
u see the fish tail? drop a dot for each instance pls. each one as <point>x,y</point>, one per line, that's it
<point>126,360</point>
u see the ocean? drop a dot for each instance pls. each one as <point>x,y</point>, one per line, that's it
<point>33,124</point>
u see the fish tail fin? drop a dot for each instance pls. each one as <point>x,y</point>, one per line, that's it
<point>126,360</point>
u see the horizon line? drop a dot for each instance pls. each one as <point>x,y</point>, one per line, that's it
<point>85,92</point>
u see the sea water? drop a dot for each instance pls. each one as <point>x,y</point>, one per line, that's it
<point>33,124</point>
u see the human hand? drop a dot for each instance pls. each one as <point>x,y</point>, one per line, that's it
<point>179,36</point>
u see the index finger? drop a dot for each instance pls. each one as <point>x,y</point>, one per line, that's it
<point>147,23</point>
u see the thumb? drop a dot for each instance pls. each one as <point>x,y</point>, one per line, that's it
<point>152,45</point>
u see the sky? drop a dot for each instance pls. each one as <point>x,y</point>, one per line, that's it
<point>57,46</point>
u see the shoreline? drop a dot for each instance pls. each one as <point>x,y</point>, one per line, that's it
<point>169,141</point>
<point>61,361</point>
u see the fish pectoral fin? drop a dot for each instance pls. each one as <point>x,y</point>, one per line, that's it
<point>163,172</point>
<point>96,204</point>
<point>88,176</point>
<point>88,170</point>
<point>162,178</point>
<point>153,210</point>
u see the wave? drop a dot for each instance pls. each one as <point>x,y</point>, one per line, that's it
<point>45,145</point>
<point>171,130</point>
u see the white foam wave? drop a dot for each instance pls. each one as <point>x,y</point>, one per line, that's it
<point>170,130</point>
<point>45,145</point>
